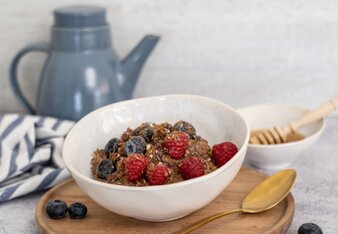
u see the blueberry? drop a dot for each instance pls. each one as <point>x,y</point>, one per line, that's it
<point>112,146</point>
<point>77,210</point>
<point>309,228</point>
<point>56,209</point>
<point>186,127</point>
<point>135,145</point>
<point>105,168</point>
<point>145,131</point>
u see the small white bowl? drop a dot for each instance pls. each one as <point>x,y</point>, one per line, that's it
<point>212,119</point>
<point>275,157</point>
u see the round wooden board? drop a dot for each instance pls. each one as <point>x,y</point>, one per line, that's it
<point>100,220</point>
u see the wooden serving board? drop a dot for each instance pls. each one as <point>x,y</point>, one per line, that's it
<point>100,220</point>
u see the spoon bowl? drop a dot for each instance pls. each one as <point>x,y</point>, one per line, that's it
<point>269,192</point>
<point>264,196</point>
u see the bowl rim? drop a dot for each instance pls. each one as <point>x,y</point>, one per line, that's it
<point>90,180</point>
<point>317,133</point>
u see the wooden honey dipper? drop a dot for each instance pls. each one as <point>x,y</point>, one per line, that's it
<point>277,135</point>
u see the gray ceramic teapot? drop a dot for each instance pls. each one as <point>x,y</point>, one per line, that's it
<point>82,71</point>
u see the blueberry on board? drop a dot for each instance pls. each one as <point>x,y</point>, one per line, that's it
<point>145,131</point>
<point>112,146</point>
<point>186,127</point>
<point>309,228</point>
<point>105,168</point>
<point>77,210</point>
<point>135,145</point>
<point>56,209</point>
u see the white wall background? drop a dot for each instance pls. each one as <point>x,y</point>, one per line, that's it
<point>238,51</point>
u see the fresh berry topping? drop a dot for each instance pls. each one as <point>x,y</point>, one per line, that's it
<point>145,131</point>
<point>77,210</point>
<point>112,146</point>
<point>56,209</point>
<point>176,144</point>
<point>135,166</point>
<point>309,228</point>
<point>186,127</point>
<point>157,174</point>
<point>223,152</point>
<point>135,145</point>
<point>105,168</point>
<point>192,167</point>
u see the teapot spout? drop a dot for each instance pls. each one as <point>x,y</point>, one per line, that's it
<point>133,63</point>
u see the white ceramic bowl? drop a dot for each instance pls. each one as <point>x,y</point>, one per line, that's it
<point>212,119</point>
<point>275,157</point>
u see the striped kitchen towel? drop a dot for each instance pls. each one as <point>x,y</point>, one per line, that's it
<point>30,154</point>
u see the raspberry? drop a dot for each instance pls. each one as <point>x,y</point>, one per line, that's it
<point>157,174</point>
<point>176,144</point>
<point>135,166</point>
<point>192,167</point>
<point>223,152</point>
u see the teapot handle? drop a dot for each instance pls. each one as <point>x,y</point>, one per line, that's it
<point>14,68</point>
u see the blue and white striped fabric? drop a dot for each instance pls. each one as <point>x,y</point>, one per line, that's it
<point>30,154</point>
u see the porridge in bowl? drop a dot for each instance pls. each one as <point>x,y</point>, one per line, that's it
<point>157,154</point>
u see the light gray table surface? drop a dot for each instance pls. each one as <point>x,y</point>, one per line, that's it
<point>315,192</point>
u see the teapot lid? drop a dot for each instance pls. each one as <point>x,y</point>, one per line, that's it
<point>80,16</point>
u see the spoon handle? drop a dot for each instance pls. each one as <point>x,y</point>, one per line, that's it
<point>204,221</point>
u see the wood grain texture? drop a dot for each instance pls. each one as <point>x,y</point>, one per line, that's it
<point>100,220</point>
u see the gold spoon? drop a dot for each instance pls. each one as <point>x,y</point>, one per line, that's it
<point>263,197</point>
